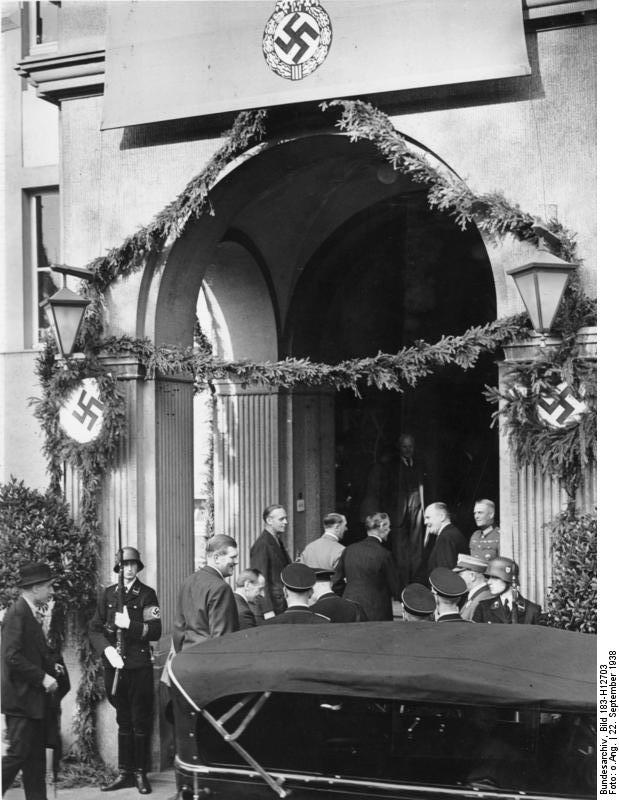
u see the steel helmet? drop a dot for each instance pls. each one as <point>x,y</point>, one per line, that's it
<point>503,568</point>
<point>128,554</point>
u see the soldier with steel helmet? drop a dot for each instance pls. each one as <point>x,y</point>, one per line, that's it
<point>507,605</point>
<point>128,668</point>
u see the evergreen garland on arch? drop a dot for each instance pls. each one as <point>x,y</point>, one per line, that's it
<point>491,212</point>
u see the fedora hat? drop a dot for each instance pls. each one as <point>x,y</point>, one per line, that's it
<point>34,572</point>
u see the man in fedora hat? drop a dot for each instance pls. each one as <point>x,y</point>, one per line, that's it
<point>472,570</point>
<point>447,588</point>
<point>140,622</point>
<point>29,675</point>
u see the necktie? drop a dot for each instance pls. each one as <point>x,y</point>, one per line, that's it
<point>508,611</point>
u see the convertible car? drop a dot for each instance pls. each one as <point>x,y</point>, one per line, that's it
<point>386,710</point>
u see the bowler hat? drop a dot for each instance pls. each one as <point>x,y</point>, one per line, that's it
<point>129,554</point>
<point>470,562</point>
<point>418,599</point>
<point>34,572</point>
<point>298,577</point>
<point>446,583</point>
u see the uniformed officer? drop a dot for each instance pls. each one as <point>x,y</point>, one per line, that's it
<point>418,603</point>
<point>507,605</point>
<point>447,588</point>
<point>331,605</point>
<point>298,580</point>
<point>138,624</point>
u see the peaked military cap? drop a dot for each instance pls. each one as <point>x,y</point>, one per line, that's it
<point>298,577</point>
<point>418,599</point>
<point>323,574</point>
<point>470,562</point>
<point>447,583</point>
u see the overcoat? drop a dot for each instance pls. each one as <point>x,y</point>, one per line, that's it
<point>206,609</point>
<point>26,658</point>
<point>367,575</point>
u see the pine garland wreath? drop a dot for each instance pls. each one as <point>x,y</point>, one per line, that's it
<point>561,452</point>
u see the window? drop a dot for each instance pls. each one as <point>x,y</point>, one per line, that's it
<point>45,243</point>
<point>370,739</point>
<point>43,21</point>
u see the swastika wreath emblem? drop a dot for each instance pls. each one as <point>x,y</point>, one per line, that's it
<point>561,409</point>
<point>81,414</point>
<point>297,38</point>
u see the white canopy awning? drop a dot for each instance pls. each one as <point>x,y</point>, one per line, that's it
<point>171,60</point>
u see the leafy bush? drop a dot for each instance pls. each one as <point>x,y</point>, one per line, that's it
<point>572,599</point>
<point>38,527</point>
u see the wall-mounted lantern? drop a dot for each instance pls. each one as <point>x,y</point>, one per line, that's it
<point>542,281</point>
<point>65,310</point>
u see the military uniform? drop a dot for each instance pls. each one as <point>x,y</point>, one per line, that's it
<point>298,578</point>
<point>297,615</point>
<point>133,699</point>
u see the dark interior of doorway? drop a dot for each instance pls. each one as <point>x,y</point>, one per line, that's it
<point>393,274</point>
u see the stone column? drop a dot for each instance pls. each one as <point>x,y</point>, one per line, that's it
<point>530,499</point>
<point>150,489</point>
<point>246,460</point>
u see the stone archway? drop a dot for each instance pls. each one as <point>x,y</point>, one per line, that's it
<point>276,205</point>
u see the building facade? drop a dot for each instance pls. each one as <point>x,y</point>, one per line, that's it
<point>316,247</point>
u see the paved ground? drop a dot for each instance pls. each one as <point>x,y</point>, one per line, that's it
<point>163,783</point>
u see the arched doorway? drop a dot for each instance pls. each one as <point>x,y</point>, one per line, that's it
<point>391,274</point>
<point>290,217</point>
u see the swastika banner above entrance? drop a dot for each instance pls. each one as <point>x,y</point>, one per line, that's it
<point>171,60</point>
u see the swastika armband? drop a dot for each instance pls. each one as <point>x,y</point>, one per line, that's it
<point>151,613</point>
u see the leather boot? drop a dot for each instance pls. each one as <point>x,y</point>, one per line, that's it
<point>141,763</point>
<point>125,765</point>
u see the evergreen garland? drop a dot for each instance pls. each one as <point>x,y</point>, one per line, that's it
<point>565,451</point>
<point>92,460</point>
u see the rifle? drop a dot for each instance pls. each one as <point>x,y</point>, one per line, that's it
<point>120,634</point>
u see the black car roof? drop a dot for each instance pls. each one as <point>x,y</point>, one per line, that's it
<point>467,664</point>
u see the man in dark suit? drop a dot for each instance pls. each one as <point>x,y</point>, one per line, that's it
<point>325,601</point>
<point>507,605</point>
<point>249,586</point>
<point>29,676</point>
<point>366,572</point>
<point>298,581</point>
<point>128,671</point>
<point>268,555</point>
<point>206,607</point>
<point>396,486</point>
<point>444,542</point>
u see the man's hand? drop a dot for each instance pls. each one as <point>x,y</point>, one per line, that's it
<point>59,669</point>
<point>49,683</point>
<point>121,620</point>
<point>113,656</point>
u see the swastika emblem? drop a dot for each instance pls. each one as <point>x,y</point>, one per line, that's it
<point>81,414</point>
<point>297,38</point>
<point>562,408</point>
